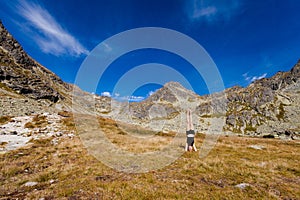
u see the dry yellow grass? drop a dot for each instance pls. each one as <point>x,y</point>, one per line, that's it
<point>133,138</point>
<point>67,171</point>
<point>38,121</point>
<point>5,119</point>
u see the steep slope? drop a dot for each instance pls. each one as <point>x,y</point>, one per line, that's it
<point>27,87</point>
<point>22,74</point>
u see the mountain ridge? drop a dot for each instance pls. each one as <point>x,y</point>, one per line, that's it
<point>266,106</point>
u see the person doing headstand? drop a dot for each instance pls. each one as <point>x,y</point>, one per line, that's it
<point>190,133</point>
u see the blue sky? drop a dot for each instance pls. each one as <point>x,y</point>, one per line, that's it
<point>246,39</point>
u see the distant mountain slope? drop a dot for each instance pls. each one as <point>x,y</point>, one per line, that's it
<point>268,105</point>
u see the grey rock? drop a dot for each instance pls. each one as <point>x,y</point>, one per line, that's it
<point>51,181</point>
<point>242,185</point>
<point>257,147</point>
<point>30,184</point>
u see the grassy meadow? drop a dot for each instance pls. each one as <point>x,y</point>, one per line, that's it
<point>67,171</point>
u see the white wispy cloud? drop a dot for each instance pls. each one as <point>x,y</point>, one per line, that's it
<point>136,98</point>
<point>48,33</point>
<point>251,79</point>
<point>129,98</point>
<point>106,94</point>
<point>210,10</point>
<point>206,12</point>
<point>254,78</point>
<point>246,76</point>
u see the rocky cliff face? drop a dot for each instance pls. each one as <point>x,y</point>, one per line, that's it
<point>24,75</point>
<point>270,105</point>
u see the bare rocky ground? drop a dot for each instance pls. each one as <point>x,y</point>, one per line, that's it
<point>19,131</point>
<point>24,119</point>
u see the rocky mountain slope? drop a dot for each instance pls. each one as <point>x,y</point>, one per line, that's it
<point>22,74</point>
<point>27,87</point>
<point>267,106</point>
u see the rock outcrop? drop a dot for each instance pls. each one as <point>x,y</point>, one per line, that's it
<point>267,106</point>
<point>22,74</point>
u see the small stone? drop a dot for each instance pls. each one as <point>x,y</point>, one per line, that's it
<point>257,147</point>
<point>13,133</point>
<point>58,134</point>
<point>51,181</point>
<point>242,185</point>
<point>262,164</point>
<point>16,45</point>
<point>54,141</point>
<point>30,184</point>
<point>50,134</point>
<point>46,114</point>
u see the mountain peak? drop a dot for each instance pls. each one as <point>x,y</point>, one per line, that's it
<point>173,84</point>
<point>172,92</point>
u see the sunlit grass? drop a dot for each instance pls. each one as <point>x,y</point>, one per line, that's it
<point>67,170</point>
